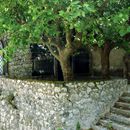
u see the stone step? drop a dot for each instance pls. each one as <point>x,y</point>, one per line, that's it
<point>111,124</point>
<point>124,99</point>
<point>96,127</point>
<point>122,112</point>
<point>126,94</point>
<point>120,119</point>
<point>122,105</point>
<point>128,88</point>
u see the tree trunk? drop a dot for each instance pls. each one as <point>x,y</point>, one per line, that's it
<point>126,66</point>
<point>66,69</point>
<point>105,52</point>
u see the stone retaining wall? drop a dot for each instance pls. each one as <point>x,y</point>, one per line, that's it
<point>32,105</point>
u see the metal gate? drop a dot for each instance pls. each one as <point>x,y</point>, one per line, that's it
<point>43,61</point>
<point>1,60</point>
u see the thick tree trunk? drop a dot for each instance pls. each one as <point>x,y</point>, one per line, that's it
<point>126,66</point>
<point>105,52</point>
<point>66,69</point>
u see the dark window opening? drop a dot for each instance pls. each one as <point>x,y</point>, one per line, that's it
<point>43,61</point>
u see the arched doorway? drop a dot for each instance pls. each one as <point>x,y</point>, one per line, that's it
<point>1,60</point>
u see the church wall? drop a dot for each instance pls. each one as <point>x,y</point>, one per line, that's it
<point>116,60</point>
<point>21,64</point>
<point>96,60</point>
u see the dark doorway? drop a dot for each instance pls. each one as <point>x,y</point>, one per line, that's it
<point>59,72</point>
<point>81,63</point>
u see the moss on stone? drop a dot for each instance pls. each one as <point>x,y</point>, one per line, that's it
<point>10,99</point>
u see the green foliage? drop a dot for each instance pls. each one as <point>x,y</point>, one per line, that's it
<point>10,100</point>
<point>59,129</point>
<point>26,22</point>
<point>110,127</point>
<point>78,127</point>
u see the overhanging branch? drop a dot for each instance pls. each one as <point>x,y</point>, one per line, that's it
<point>52,52</point>
<point>78,40</point>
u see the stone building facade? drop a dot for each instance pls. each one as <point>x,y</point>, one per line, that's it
<point>26,64</point>
<point>116,61</point>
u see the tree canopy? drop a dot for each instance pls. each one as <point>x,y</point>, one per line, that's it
<point>27,21</point>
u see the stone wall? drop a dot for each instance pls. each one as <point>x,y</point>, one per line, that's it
<point>21,64</point>
<point>96,59</point>
<point>116,60</point>
<point>32,105</point>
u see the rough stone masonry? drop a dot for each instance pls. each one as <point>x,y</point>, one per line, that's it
<point>33,105</point>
